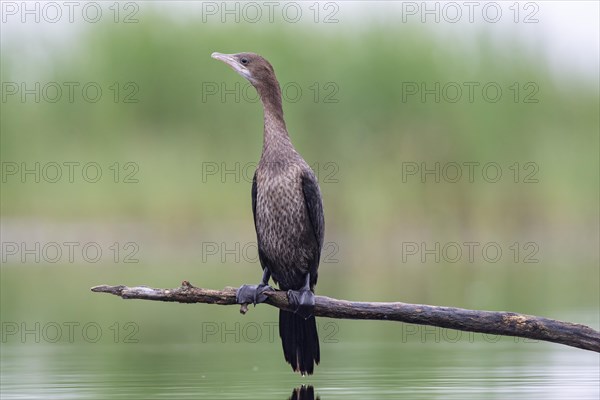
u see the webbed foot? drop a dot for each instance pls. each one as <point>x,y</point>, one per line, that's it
<point>302,302</point>
<point>254,294</point>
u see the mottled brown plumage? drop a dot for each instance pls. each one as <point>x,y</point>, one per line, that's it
<point>288,217</point>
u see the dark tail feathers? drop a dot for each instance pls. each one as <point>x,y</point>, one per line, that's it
<point>300,341</point>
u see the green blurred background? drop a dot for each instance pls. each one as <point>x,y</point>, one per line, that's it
<point>178,217</point>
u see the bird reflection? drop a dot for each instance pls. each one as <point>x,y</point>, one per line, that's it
<point>304,393</point>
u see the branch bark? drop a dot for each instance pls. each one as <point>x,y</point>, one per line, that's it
<point>490,322</point>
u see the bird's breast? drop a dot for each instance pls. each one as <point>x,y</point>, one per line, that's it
<point>282,224</point>
<point>280,204</point>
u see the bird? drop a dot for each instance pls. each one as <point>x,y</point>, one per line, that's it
<point>288,219</point>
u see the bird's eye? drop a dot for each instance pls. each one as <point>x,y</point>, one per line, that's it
<point>244,61</point>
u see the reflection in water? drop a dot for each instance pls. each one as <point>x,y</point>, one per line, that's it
<point>303,393</point>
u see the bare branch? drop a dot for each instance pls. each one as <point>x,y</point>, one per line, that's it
<point>490,322</point>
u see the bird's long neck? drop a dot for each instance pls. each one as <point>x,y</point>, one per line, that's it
<point>275,138</point>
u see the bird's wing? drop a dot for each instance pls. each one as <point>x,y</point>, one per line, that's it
<point>264,260</point>
<point>254,191</point>
<point>314,205</point>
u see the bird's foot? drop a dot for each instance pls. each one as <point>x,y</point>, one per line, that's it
<point>254,294</point>
<point>302,302</point>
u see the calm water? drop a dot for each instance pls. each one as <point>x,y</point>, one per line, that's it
<point>136,349</point>
<point>358,370</point>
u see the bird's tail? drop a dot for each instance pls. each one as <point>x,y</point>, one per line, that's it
<point>300,341</point>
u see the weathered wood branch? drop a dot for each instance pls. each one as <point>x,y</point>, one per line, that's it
<point>490,322</point>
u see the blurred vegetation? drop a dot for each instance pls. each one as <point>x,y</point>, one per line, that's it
<point>368,133</point>
<point>176,128</point>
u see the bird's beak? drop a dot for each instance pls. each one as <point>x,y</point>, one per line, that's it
<point>226,58</point>
<point>230,60</point>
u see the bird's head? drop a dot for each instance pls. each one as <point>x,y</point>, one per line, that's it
<point>249,65</point>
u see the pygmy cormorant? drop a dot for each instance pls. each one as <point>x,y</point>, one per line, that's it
<point>288,217</point>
